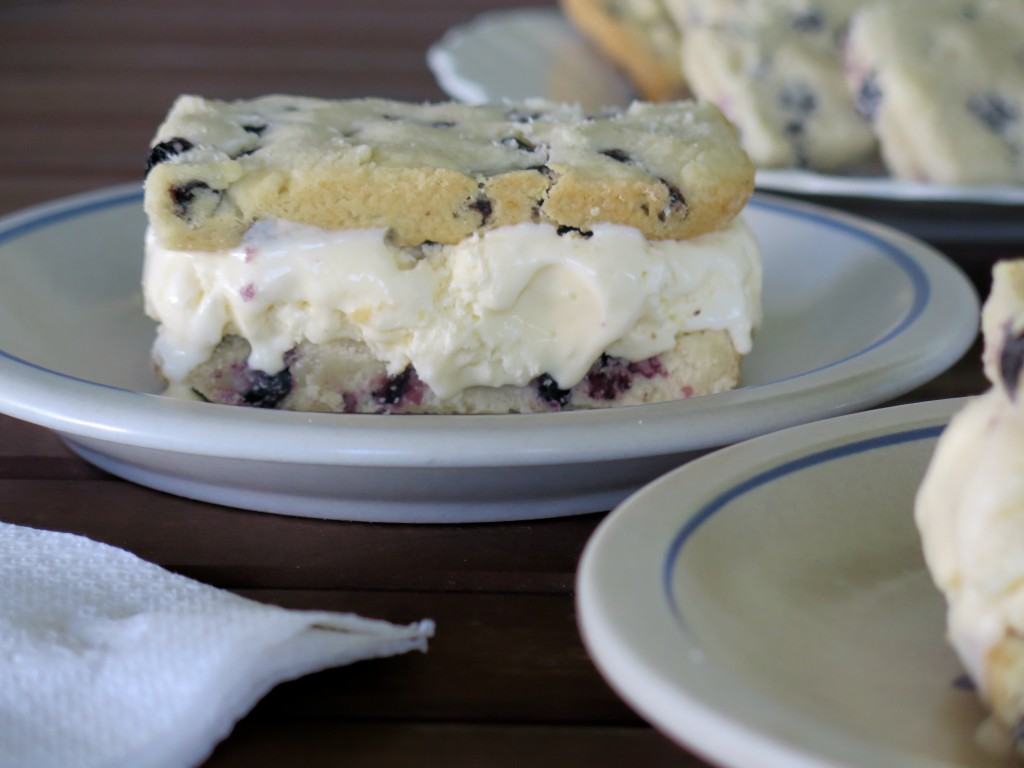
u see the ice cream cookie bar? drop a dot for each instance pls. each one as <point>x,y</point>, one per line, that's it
<point>946,97</point>
<point>385,257</point>
<point>970,513</point>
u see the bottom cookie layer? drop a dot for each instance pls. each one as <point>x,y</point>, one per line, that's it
<point>344,377</point>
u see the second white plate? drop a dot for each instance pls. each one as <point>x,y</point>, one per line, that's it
<point>855,314</point>
<point>769,604</point>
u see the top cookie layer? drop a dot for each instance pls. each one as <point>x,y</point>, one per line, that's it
<point>439,172</point>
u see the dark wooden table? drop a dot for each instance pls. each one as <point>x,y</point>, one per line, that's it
<point>507,681</point>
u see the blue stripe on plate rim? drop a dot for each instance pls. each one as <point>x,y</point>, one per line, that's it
<point>719,502</point>
<point>72,208</point>
<point>918,279</point>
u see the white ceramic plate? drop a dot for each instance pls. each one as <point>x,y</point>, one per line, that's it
<point>769,604</point>
<point>856,314</point>
<point>533,52</point>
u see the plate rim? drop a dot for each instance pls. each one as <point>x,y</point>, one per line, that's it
<point>690,717</point>
<point>528,439</point>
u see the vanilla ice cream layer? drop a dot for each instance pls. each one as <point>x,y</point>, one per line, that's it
<point>500,308</point>
<point>968,510</point>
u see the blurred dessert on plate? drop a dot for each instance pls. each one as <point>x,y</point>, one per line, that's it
<point>928,90</point>
<point>970,514</point>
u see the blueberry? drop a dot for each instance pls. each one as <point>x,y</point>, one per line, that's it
<point>266,390</point>
<point>395,387</point>
<point>551,393</point>
<point>184,195</point>
<point>648,368</point>
<point>256,129</point>
<point>869,96</point>
<point>165,150</point>
<point>798,99</point>
<point>676,201</point>
<point>793,128</point>
<point>798,102</point>
<point>1011,360</point>
<point>808,21</point>
<point>482,205</point>
<point>565,229</point>
<point>1017,734</point>
<point>515,116</point>
<point>964,683</point>
<point>609,378</point>
<point>616,154</point>
<point>994,111</point>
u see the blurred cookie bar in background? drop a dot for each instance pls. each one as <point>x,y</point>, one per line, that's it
<point>946,97</point>
<point>639,37</point>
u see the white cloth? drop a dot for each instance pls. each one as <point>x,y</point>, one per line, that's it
<point>108,661</point>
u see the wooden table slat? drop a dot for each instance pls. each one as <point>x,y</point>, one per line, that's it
<point>507,680</point>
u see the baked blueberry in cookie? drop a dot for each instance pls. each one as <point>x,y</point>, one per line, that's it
<point>995,111</point>
<point>164,150</point>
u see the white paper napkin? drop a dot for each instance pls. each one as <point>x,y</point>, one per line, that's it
<point>108,661</point>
